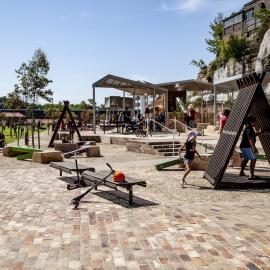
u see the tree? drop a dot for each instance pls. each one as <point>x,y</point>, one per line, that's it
<point>83,105</point>
<point>3,100</point>
<point>33,79</point>
<point>33,82</point>
<point>216,35</point>
<point>14,101</point>
<point>237,47</point>
<point>263,16</point>
<point>201,65</point>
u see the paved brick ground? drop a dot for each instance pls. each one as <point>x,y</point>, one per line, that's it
<point>39,230</point>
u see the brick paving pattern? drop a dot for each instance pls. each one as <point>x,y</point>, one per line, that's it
<point>39,229</point>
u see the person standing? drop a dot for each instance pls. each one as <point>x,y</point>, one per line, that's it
<point>223,119</point>
<point>248,147</point>
<point>191,116</point>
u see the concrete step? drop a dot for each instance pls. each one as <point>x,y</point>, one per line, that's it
<point>165,146</point>
<point>169,154</point>
<point>169,150</point>
<point>162,143</point>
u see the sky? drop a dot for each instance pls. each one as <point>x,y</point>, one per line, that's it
<point>84,40</point>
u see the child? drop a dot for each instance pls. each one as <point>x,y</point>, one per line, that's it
<point>248,147</point>
<point>189,156</point>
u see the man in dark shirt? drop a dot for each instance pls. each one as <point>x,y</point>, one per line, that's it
<point>248,147</point>
<point>2,139</point>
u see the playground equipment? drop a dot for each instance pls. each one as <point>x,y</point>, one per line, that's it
<point>169,163</point>
<point>251,100</point>
<point>65,110</point>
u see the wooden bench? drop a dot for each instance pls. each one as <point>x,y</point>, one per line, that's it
<point>70,167</point>
<point>93,179</point>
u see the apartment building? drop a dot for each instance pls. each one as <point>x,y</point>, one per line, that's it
<point>243,22</point>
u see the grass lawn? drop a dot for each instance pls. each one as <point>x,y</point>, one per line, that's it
<point>8,138</point>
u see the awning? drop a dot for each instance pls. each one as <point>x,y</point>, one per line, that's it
<point>133,87</point>
<point>191,85</point>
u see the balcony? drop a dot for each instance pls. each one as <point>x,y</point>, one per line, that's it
<point>251,25</point>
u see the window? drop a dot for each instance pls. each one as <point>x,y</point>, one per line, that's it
<point>233,20</point>
<point>249,14</point>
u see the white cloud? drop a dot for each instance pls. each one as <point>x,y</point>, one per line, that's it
<point>183,5</point>
<point>189,6</point>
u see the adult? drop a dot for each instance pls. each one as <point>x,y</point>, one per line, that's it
<point>2,139</point>
<point>248,147</point>
<point>191,116</point>
<point>147,112</point>
<point>223,119</point>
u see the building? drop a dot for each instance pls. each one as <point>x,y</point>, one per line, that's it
<point>116,103</point>
<point>243,22</point>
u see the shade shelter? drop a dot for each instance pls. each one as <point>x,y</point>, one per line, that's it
<point>135,88</point>
<point>196,86</point>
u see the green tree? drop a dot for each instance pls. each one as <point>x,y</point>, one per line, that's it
<point>83,105</point>
<point>216,33</point>
<point>237,47</point>
<point>33,82</point>
<point>263,16</point>
<point>33,79</point>
<point>14,101</point>
<point>3,100</point>
<point>201,65</point>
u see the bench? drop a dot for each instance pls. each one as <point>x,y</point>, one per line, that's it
<point>95,179</point>
<point>70,167</point>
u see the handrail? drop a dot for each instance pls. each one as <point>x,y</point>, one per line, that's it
<point>170,130</point>
<point>176,121</point>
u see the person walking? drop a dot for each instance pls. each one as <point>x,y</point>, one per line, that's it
<point>190,151</point>
<point>248,147</point>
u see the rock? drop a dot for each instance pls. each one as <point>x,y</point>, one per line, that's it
<point>47,156</point>
<point>93,151</point>
<point>65,147</point>
<point>95,138</point>
<point>7,152</point>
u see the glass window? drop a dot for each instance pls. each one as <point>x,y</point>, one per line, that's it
<point>249,14</point>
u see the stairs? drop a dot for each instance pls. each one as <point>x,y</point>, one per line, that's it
<point>165,149</point>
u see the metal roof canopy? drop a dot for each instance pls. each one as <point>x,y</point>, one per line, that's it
<point>194,85</point>
<point>130,86</point>
<point>231,82</point>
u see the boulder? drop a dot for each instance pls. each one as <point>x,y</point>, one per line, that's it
<point>93,151</point>
<point>95,138</point>
<point>8,152</point>
<point>47,156</point>
<point>65,147</point>
<point>201,164</point>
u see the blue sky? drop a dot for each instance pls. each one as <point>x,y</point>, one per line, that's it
<point>84,40</point>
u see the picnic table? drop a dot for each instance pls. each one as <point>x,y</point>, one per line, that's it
<point>70,167</point>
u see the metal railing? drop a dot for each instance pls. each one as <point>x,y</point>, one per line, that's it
<point>184,125</point>
<point>189,128</point>
<point>173,131</point>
